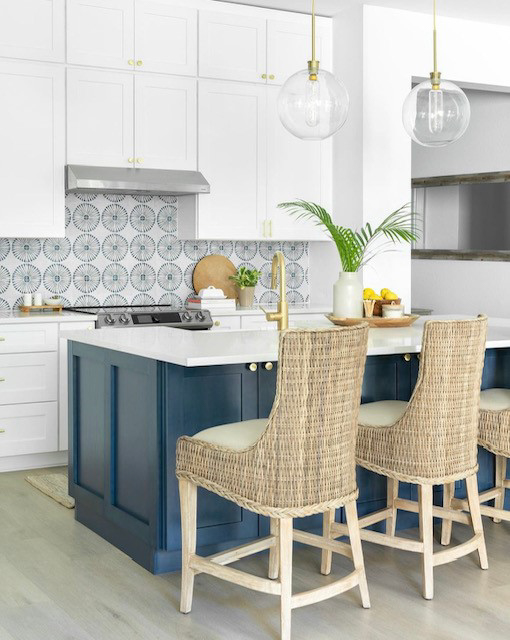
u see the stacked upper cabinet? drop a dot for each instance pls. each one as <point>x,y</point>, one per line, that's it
<point>32,118</point>
<point>145,116</point>
<point>250,159</point>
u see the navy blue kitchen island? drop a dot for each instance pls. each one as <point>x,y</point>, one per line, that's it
<point>127,411</point>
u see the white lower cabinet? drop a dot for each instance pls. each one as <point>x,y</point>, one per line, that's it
<point>28,428</point>
<point>19,338</point>
<point>226,323</point>
<point>28,377</point>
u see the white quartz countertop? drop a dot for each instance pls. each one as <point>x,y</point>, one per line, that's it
<point>11,317</point>
<point>294,309</point>
<point>205,348</point>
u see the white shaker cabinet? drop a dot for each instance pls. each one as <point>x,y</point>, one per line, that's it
<point>100,118</point>
<point>289,47</point>
<point>232,154</point>
<point>232,47</point>
<point>32,131</point>
<point>296,170</point>
<point>33,29</point>
<point>165,38</point>
<point>101,33</point>
<point>165,122</point>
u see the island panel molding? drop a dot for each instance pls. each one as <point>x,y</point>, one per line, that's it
<point>121,249</point>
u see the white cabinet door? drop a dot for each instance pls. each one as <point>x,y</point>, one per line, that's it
<point>28,377</point>
<point>100,118</point>
<point>232,155</point>
<point>232,47</point>
<point>28,428</point>
<point>101,33</point>
<point>32,134</point>
<point>28,338</point>
<point>289,47</point>
<point>166,122</point>
<point>165,38</point>
<point>33,29</point>
<point>296,170</point>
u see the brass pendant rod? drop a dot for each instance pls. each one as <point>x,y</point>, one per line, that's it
<point>313,31</point>
<point>435,76</point>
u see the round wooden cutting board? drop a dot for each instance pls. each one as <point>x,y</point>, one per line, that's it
<point>215,271</point>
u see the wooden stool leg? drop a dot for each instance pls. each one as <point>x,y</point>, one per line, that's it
<point>446,524</point>
<point>351,513</point>
<point>392,493</point>
<point>274,551</point>
<point>328,517</point>
<point>427,537</point>
<point>476,517</point>
<point>285,553</point>
<point>499,502</point>
<point>188,498</point>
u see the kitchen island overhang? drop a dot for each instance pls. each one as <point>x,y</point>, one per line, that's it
<point>134,392</point>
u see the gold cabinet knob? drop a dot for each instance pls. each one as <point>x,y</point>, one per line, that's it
<point>139,63</point>
<point>139,160</point>
<point>217,323</point>
<point>268,366</point>
<point>407,357</point>
<point>131,160</point>
<point>2,379</point>
<point>253,366</point>
<point>2,339</point>
<point>264,76</point>
<point>272,77</point>
<point>131,62</point>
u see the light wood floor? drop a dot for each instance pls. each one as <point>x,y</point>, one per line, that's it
<point>59,581</point>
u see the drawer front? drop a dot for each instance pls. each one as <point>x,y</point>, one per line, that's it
<point>28,428</point>
<point>28,377</point>
<point>18,338</point>
<point>225,323</point>
<point>308,319</point>
<point>258,322</point>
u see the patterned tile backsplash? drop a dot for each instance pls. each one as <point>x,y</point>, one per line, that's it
<point>124,250</point>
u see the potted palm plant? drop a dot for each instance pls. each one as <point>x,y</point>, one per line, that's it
<point>356,247</point>
<point>246,281</point>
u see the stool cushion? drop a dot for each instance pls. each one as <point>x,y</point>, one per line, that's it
<point>381,414</point>
<point>495,400</point>
<point>236,435</point>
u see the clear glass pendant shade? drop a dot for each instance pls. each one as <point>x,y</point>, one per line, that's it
<point>436,117</point>
<point>313,109</point>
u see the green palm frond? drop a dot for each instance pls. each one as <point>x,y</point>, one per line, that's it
<point>357,247</point>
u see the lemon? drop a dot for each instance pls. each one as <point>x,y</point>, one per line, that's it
<point>391,296</point>
<point>384,292</point>
<point>376,297</point>
<point>368,293</point>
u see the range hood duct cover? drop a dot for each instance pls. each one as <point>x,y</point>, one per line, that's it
<point>84,179</point>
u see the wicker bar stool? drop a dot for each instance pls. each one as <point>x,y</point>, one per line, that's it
<point>493,435</point>
<point>429,440</point>
<point>299,461</point>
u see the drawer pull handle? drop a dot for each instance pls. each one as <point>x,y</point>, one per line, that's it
<point>2,379</point>
<point>268,366</point>
<point>131,62</point>
<point>253,367</point>
<point>272,77</point>
<point>407,357</point>
<point>264,76</point>
<point>2,430</point>
<point>139,63</point>
<point>2,339</point>
<point>217,323</point>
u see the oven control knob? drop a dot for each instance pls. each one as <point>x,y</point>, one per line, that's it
<point>200,316</point>
<point>109,319</point>
<point>124,319</point>
<point>186,317</point>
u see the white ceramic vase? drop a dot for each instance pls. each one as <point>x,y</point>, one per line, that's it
<point>348,295</point>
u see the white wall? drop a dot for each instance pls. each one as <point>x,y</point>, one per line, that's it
<point>394,47</point>
<point>451,286</point>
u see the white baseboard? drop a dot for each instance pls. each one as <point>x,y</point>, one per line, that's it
<point>33,461</point>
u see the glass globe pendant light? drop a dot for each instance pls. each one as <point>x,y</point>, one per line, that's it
<point>312,103</point>
<point>436,112</point>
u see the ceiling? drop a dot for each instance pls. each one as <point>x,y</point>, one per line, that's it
<point>497,11</point>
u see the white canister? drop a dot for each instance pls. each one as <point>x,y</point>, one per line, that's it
<point>37,299</point>
<point>27,299</point>
<point>348,296</point>
<point>393,310</point>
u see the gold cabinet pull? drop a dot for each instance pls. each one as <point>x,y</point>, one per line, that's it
<point>272,77</point>
<point>253,366</point>
<point>139,63</point>
<point>131,160</point>
<point>268,366</point>
<point>2,379</point>
<point>264,76</point>
<point>2,430</point>
<point>407,357</point>
<point>217,323</point>
<point>139,160</point>
<point>270,228</point>
<point>2,339</point>
<point>131,63</point>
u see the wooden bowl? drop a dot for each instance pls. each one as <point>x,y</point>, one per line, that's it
<point>379,305</point>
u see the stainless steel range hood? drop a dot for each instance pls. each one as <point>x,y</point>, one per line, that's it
<point>83,179</point>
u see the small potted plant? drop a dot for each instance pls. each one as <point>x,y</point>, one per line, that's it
<point>246,281</point>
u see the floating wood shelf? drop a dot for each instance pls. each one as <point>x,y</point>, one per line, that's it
<point>467,178</point>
